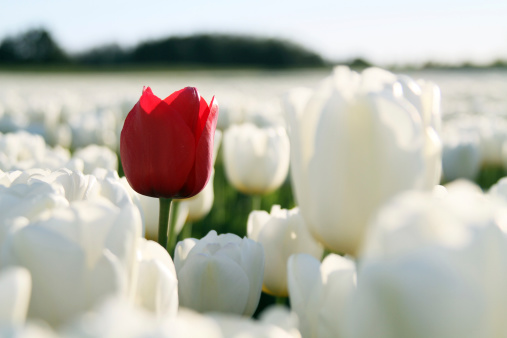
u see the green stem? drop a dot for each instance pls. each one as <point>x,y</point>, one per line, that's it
<point>280,300</point>
<point>172,227</point>
<point>256,202</point>
<point>163,220</point>
<point>187,231</point>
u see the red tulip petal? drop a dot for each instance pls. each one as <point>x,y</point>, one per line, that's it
<point>157,150</point>
<point>201,172</point>
<point>186,103</point>
<point>204,111</point>
<point>148,100</point>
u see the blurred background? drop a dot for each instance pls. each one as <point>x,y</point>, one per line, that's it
<point>71,71</point>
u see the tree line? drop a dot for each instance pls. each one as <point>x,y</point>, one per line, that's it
<point>37,47</point>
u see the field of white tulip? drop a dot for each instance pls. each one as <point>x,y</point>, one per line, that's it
<point>341,204</point>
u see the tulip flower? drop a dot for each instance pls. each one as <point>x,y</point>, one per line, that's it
<point>76,256</point>
<point>219,273</point>
<point>166,145</point>
<point>117,318</point>
<point>157,286</point>
<point>356,141</point>
<point>15,289</point>
<point>319,293</point>
<point>166,148</point>
<point>256,159</point>
<point>461,155</point>
<point>281,233</point>
<point>94,156</point>
<point>433,258</point>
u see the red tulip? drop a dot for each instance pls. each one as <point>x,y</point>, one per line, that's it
<point>166,146</point>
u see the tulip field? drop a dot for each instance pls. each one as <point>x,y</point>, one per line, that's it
<point>309,203</point>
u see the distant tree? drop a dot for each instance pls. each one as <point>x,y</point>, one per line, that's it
<point>34,46</point>
<point>225,50</point>
<point>104,55</point>
<point>359,63</point>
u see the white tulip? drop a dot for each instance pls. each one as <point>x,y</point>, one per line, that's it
<point>256,159</point>
<point>117,318</point>
<point>282,317</point>
<point>281,233</point>
<point>15,289</point>
<point>235,326</point>
<point>21,151</point>
<point>219,273</point>
<point>157,285</point>
<point>437,259</point>
<point>29,330</point>
<point>356,142</point>
<point>76,256</point>
<point>319,292</point>
<point>461,154</point>
<point>95,156</point>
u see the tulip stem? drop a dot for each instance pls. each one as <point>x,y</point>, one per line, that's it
<point>163,220</point>
<point>187,231</point>
<point>173,217</point>
<point>256,202</point>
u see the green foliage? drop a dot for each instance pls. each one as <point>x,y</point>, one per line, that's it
<point>231,208</point>
<point>489,175</point>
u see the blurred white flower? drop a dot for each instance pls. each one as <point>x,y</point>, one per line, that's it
<point>94,127</point>
<point>319,292</point>
<point>95,156</point>
<point>235,326</point>
<point>117,318</point>
<point>76,255</point>
<point>15,289</point>
<point>219,273</point>
<point>282,233</point>
<point>437,259</point>
<point>256,159</point>
<point>22,150</point>
<point>232,111</point>
<point>356,142</point>
<point>157,285</point>
<point>461,155</point>
<point>281,317</point>
<point>28,330</point>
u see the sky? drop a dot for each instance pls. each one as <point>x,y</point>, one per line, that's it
<point>385,32</point>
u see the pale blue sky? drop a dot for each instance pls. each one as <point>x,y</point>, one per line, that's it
<point>388,31</point>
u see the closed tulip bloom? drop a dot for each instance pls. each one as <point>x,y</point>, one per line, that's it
<point>76,255</point>
<point>355,143</point>
<point>281,233</point>
<point>433,258</point>
<point>157,285</point>
<point>256,159</point>
<point>462,155</point>
<point>15,289</point>
<point>319,293</point>
<point>219,273</point>
<point>166,146</point>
